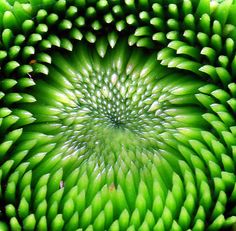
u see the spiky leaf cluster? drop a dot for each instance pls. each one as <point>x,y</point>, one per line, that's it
<point>117,115</point>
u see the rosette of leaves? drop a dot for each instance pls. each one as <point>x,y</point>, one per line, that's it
<point>117,115</point>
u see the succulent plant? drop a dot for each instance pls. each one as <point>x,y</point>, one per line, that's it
<point>117,115</point>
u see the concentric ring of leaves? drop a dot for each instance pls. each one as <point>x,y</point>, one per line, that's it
<point>193,36</point>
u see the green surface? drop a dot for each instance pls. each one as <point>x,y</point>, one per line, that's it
<point>117,115</point>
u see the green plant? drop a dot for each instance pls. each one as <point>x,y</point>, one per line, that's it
<point>117,115</point>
